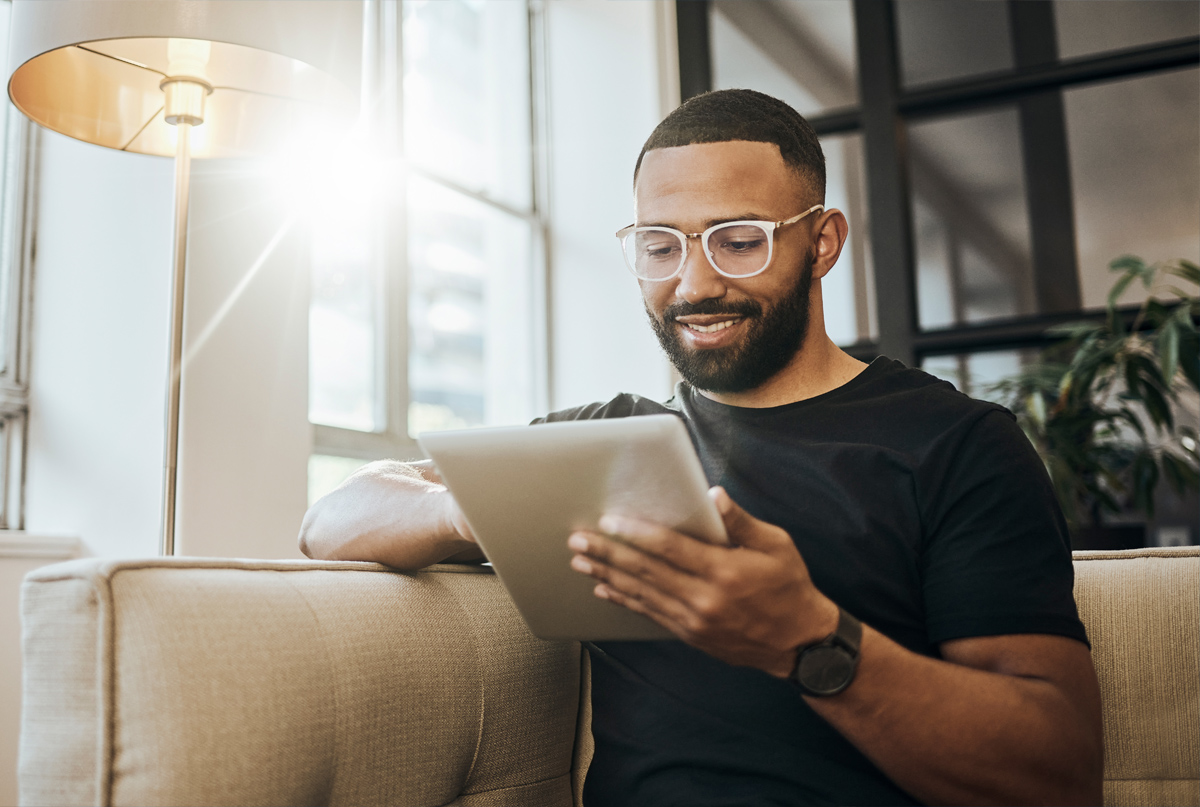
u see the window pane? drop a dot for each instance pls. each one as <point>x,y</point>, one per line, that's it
<point>949,39</point>
<point>343,340</point>
<point>326,472</point>
<point>848,292</point>
<point>1135,156</point>
<point>802,52</point>
<point>1087,28</point>
<point>970,218</point>
<point>471,322</point>
<point>466,94</point>
<point>974,374</point>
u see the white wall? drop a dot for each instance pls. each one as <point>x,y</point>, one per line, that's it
<point>603,104</point>
<point>243,480</point>
<point>99,359</point>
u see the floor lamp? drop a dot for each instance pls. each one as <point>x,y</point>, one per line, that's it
<point>186,79</point>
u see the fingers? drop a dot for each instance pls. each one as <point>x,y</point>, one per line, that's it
<point>680,551</point>
<point>616,558</point>
<point>642,585</point>
<point>744,529</point>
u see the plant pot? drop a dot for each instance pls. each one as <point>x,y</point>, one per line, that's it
<point>1109,536</point>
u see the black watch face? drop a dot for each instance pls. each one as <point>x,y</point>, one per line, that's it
<point>825,670</point>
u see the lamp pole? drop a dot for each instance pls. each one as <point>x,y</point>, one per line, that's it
<point>183,108</point>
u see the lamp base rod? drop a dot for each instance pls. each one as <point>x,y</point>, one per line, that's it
<point>183,159</point>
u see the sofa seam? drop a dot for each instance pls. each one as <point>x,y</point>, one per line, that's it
<point>514,787</point>
<point>1154,779</point>
<point>333,667</point>
<point>475,646</point>
<point>107,689</point>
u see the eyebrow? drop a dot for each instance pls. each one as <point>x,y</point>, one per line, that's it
<point>710,222</point>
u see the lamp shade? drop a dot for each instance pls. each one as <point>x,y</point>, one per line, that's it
<point>95,70</point>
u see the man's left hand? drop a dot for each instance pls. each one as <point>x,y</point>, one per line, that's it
<point>750,604</point>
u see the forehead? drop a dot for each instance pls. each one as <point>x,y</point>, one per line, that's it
<point>707,181</point>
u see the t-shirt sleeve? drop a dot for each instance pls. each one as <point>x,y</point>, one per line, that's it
<point>996,557</point>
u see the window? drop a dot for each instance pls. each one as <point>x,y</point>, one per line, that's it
<point>427,271</point>
<point>1014,147</point>
<point>993,158</point>
<point>15,226</point>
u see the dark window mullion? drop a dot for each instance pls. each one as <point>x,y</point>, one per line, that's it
<point>991,90</point>
<point>695,56</point>
<point>886,160</point>
<point>1047,163</point>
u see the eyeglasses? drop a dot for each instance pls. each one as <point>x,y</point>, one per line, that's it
<point>735,248</point>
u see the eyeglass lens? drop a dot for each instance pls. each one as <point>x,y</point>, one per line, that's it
<point>736,249</point>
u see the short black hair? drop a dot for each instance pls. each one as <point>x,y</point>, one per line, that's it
<point>724,115</point>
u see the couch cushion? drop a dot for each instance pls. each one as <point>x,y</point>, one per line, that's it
<point>1142,611</point>
<point>241,682</point>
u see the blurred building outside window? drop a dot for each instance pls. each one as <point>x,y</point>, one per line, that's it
<point>432,318</point>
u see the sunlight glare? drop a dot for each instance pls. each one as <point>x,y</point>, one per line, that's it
<point>324,182</point>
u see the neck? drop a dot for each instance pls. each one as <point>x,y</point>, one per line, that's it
<point>818,367</point>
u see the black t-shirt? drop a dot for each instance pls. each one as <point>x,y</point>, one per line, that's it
<point>923,512</point>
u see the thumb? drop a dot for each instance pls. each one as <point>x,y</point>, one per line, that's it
<point>744,529</point>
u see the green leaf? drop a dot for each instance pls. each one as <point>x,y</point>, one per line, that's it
<point>1157,406</point>
<point>1127,263</point>
<point>1135,422</point>
<point>1119,287</point>
<point>1156,312</point>
<point>1184,269</point>
<point>1037,408</point>
<point>1181,475</point>
<point>1168,349</point>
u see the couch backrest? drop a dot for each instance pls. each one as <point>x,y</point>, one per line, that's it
<point>244,682</point>
<point>1142,612</point>
<point>186,681</point>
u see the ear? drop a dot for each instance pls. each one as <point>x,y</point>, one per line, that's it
<point>830,231</point>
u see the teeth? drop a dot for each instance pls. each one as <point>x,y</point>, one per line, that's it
<point>717,326</point>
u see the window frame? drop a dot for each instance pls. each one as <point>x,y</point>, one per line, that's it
<point>383,69</point>
<point>1034,86</point>
<point>18,212</point>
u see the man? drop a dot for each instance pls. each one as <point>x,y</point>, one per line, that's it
<point>894,622</point>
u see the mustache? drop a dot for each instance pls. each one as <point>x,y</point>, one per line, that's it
<point>739,308</point>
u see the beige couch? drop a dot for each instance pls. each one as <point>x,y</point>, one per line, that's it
<point>188,681</point>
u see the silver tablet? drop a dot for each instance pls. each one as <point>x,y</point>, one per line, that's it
<point>524,490</point>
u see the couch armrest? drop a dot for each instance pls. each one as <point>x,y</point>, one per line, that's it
<point>194,681</point>
<point>1141,608</point>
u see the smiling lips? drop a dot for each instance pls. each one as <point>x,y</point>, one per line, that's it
<point>708,323</point>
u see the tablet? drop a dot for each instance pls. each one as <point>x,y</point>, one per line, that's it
<point>524,489</point>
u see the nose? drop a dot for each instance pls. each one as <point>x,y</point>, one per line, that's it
<point>698,280</point>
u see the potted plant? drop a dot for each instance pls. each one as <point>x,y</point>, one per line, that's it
<point>1100,406</point>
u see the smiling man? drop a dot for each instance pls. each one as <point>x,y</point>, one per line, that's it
<point>894,622</point>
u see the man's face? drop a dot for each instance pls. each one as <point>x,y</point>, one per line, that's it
<point>727,334</point>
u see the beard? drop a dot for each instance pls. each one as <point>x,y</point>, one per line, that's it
<point>771,341</point>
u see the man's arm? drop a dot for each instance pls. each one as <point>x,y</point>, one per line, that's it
<point>391,512</point>
<point>1004,719</point>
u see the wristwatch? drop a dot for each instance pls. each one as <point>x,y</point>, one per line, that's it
<point>827,667</point>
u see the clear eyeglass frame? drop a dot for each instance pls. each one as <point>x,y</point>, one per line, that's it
<point>769,227</point>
